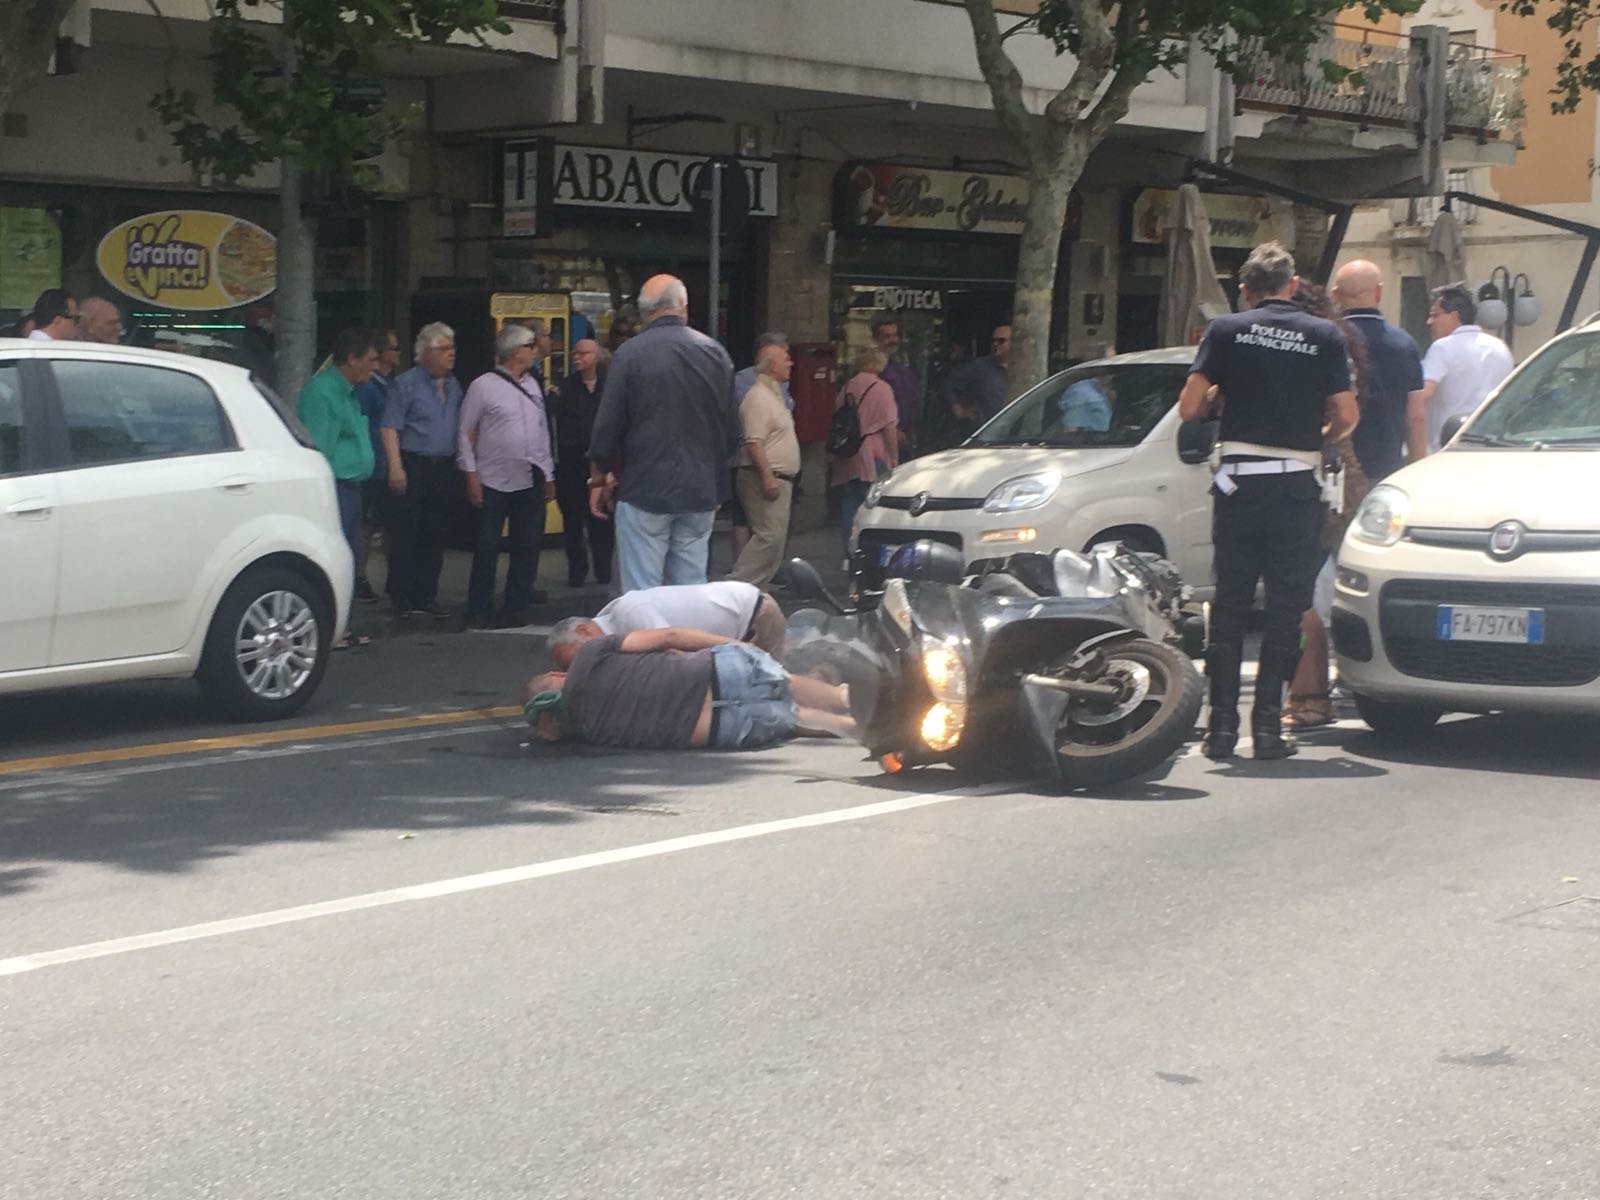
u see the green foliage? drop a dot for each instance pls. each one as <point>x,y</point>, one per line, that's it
<point>1153,34</point>
<point>323,120</point>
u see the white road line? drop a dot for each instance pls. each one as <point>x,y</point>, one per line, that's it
<point>465,883</point>
<point>521,630</point>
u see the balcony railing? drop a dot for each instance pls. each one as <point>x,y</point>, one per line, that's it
<point>1376,78</point>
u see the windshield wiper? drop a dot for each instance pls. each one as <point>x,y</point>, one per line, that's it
<point>1574,441</point>
<point>1484,439</point>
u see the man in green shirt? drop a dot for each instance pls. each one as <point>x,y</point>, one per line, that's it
<point>328,409</point>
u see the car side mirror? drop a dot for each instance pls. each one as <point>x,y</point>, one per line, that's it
<point>1452,427</point>
<point>1196,440</point>
<point>802,580</point>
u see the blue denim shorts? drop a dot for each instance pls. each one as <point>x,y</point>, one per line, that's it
<point>751,705</point>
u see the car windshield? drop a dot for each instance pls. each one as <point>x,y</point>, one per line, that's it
<point>1097,404</point>
<point>1554,400</point>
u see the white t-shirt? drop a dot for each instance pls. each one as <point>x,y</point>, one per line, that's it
<point>1466,366</point>
<point>723,608</point>
<point>39,335</point>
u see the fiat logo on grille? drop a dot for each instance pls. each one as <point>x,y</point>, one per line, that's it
<point>1505,540</point>
<point>919,504</point>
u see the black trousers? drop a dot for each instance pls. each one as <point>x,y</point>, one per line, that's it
<point>524,510</point>
<point>578,523</point>
<point>419,523</point>
<point>1269,530</point>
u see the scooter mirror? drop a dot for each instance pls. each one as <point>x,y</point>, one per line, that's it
<point>801,578</point>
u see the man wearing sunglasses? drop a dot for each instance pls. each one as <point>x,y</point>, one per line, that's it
<point>978,390</point>
<point>55,316</point>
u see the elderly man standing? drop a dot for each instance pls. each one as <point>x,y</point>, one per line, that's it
<point>669,424</point>
<point>767,473</point>
<point>504,448</point>
<point>575,407</point>
<point>99,320</point>
<point>420,420</point>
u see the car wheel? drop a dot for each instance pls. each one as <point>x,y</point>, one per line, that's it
<point>268,645</point>
<point>1391,718</point>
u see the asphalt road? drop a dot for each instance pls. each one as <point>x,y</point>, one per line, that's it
<point>429,959</point>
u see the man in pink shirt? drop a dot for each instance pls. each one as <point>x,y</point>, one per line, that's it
<point>504,447</point>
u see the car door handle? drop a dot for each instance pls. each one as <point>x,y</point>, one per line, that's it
<point>36,508</point>
<point>238,484</point>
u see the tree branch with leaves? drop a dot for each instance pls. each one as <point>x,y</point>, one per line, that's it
<point>1114,48</point>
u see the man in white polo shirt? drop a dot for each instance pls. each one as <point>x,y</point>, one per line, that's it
<point>728,608</point>
<point>1462,366</point>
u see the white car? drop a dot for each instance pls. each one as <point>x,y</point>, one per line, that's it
<point>161,515</point>
<point>1470,581</point>
<point>1089,455</point>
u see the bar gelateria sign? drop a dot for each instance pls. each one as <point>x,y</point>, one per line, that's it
<point>897,198</point>
<point>188,259</point>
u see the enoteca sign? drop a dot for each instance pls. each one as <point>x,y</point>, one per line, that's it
<point>623,180</point>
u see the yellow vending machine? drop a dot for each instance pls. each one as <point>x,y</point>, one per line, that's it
<point>555,310</point>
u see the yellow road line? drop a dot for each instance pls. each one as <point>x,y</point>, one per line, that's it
<point>267,737</point>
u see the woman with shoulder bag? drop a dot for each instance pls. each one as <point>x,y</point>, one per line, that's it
<point>853,472</point>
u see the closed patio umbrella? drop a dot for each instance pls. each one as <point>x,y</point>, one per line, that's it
<point>1190,294</point>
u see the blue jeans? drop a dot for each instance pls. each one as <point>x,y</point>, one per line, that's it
<point>753,707</point>
<point>349,493</point>
<point>661,548</point>
<point>851,493</point>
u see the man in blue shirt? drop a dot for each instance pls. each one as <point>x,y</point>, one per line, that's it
<point>420,421</point>
<point>1084,407</point>
<point>1393,375</point>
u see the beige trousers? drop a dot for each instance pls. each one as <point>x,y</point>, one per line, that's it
<point>769,528</point>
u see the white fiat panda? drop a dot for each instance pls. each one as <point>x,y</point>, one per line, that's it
<point>1470,581</point>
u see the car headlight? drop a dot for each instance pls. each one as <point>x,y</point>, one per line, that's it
<point>897,604</point>
<point>1381,519</point>
<point>942,725</point>
<point>945,672</point>
<point>1025,491</point>
<point>875,493</point>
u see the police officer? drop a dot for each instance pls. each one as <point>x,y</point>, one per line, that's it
<point>1283,386</point>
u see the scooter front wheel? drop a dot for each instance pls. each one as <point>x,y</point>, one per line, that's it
<point>1104,741</point>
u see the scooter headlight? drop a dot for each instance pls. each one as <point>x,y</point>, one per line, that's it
<point>942,726</point>
<point>1025,491</point>
<point>945,672</point>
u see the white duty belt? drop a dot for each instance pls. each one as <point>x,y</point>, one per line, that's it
<point>1269,460</point>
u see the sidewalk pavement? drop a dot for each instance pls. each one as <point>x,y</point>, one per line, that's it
<point>820,547</point>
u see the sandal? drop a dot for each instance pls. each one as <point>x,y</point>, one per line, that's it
<point>1308,710</point>
<point>352,639</point>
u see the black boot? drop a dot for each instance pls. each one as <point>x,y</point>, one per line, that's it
<point>1266,718</point>
<point>1222,668</point>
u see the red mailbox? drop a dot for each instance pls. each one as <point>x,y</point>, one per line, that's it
<point>811,384</point>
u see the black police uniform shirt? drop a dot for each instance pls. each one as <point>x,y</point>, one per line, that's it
<point>1276,365</point>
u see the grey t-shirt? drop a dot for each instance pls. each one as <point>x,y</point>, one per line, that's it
<point>649,700</point>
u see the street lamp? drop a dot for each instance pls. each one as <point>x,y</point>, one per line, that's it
<point>1505,302</point>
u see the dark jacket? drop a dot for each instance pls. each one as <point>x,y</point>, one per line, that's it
<point>668,422</point>
<point>574,411</point>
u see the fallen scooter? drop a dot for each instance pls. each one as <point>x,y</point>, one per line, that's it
<point>1066,666</point>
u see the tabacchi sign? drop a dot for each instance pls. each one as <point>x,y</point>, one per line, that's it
<point>187,259</point>
<point>643,181</point>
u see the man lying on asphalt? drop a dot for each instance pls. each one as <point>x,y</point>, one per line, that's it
<point>736,612</point>
<point>668,688</point>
